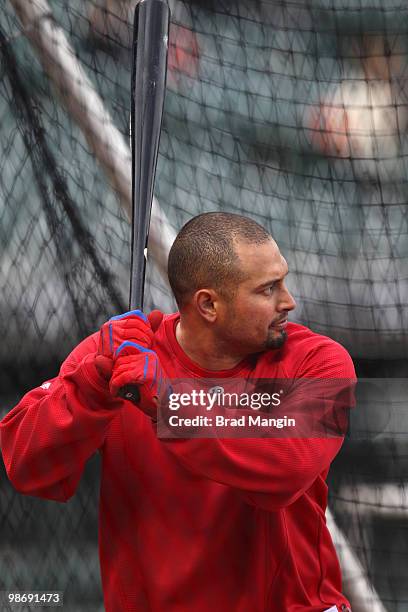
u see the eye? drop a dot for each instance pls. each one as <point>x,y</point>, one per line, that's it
<point>269,290</point>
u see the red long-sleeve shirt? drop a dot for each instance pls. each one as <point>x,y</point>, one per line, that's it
<point>189,524</point>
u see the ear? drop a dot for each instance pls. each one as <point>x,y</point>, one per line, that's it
<point>206,301</point>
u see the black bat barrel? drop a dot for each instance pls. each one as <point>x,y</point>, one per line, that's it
<point>149,66</point>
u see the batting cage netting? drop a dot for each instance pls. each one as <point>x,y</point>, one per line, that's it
<point>292,112</point>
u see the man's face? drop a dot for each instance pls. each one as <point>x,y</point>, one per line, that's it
<point>254,319</point>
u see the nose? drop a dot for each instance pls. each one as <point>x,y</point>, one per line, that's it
<point>286,300</point>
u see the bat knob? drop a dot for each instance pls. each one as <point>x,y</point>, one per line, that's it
<point>130,393</point>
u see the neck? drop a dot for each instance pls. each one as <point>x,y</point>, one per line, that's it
<point>200,345</point>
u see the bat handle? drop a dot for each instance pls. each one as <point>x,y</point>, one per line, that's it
<point>131,393</point>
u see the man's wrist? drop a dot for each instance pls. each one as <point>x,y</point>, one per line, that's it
<point>98,384</point>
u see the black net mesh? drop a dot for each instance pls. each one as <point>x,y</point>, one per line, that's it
<point>292,112</point>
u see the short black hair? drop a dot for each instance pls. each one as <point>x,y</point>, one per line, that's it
<point>203,253</point>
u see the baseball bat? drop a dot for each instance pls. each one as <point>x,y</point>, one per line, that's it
<point>148,86</point>
<point>149,67</point>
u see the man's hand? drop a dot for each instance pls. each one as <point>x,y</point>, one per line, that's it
<point>125,357</point>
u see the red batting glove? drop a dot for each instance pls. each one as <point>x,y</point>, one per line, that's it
<point>143,371</point>
<point>125,358</point>
<point>132,326</point>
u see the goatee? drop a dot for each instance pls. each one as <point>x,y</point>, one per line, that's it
<point>277,341</point>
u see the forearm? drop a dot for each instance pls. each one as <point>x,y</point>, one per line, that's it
<point>271,467</point>
<point>47,438</point>
<point>270,472</point>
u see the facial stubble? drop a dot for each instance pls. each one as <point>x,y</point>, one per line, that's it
<point>276,341</point>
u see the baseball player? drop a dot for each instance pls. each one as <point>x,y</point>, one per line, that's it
<point>193,523</point>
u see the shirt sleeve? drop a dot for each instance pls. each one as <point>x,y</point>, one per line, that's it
<point>271,473</point>
<point>47,438</point>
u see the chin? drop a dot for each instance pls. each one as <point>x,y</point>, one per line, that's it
<point>276,341</point>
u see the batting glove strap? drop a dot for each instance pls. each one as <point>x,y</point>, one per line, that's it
<point>143,370</point>
<point>129,329</point>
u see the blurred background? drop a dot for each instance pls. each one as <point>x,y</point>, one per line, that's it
<point>292,112</point>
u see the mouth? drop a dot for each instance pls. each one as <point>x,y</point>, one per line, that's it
<point>280,324</point>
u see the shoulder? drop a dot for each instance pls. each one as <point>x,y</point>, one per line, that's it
<point>170,319</point>
<point>302,338</point>
<point>307,354</point>
<point>165,331</point>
